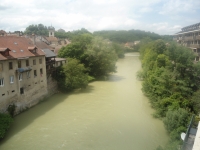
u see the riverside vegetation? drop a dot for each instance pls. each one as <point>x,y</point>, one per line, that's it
<point>171,81</point>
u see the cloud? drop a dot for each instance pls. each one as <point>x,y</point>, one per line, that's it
<point>153,15</point>
<point>180,6</point>
<point>164,28</point>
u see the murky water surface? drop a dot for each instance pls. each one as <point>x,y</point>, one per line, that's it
<point>107,115</point>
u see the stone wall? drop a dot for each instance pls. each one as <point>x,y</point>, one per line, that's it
<point>52,86</point>
<point>32,96</point>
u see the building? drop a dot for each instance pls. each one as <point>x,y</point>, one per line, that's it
<point>190,37</point>
<point>22,73</point>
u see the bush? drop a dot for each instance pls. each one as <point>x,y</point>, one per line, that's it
<point>175,119</point>
<point>5,121</point>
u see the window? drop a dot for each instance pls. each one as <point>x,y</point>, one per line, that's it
<point>28,74</point>
<point>40,60</point>
<point>34,62</point>
<point>20,76</point>
<point>41,72</point>
<point>10,65</point>
<point>1,82</point>
<point>27,63</point>
<point>19,63</point>
<point>11,79</point>
<point>21,90</point>
<point>35,73</point>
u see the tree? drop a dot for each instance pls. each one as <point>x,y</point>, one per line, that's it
<point>100,57</point>
<point>175,119</point>
<point>71,76</point>
<point>39,29</point>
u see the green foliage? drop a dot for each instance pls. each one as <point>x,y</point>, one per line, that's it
<point>175,120</point>
<point>39,29</point>
<point>171,80</point>
<point>101,57</point>
<point>11,109</point>
<point>97,55</point>
<point>71,76</point>
<point>73,50</point>
<point>123,36</point>
<point>5,122</point>
<point>195,100</point>
<point>119,50</point>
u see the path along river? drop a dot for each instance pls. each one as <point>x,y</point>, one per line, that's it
<point>107,115</point>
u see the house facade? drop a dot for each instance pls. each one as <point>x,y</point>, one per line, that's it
<point>189,36</point>
<point>22,73</point>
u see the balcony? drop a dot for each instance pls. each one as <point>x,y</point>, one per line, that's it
<point>188,38</point>
<point>195,45</point>
<point>197,37</point>
<point>50,62</point>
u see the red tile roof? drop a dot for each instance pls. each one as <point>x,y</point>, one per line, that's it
<point>4,49</point>
<point>52,39</point>
<point>18,46</point>
<point>2,57</point>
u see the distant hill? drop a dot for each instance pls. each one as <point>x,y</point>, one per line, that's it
<point>123,36</point>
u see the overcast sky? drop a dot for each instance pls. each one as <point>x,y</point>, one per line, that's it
<point>159,16</point>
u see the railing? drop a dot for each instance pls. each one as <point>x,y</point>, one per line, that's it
<point>187,134</point>
<point>195,45</point>
<point>50,62</point>
<point>188,38</point>
<point>197,37</point>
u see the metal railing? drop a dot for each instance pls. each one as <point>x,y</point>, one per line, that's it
<point>185,142</point>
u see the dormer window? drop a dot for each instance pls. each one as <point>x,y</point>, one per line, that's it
<point>5,51</point>
<point>32,49</point>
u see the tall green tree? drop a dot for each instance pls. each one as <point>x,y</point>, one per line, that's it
<point>71,76</point>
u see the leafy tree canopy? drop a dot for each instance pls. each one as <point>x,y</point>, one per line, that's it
<point>39,29</point>
<point>71,76</point>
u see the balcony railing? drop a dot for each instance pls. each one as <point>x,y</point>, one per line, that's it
<point>188,38</point>
<point>197,37</point>
<point>50,62</point>
<point>195,45</point>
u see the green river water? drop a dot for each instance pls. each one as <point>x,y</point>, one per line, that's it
<point>107,115</point>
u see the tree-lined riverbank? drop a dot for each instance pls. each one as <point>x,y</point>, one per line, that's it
<point>111,115</point>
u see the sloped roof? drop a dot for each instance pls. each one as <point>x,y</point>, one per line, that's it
<point>18,46</point>
<point>2,57</point>
<point>49,53</point>
<point>43,45</point>
<point>4,49</point>
<point>52,39</point>
<point>60,59</point>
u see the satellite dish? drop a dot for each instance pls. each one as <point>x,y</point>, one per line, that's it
<point>183,136</point>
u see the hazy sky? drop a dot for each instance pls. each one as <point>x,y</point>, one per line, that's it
<point>159,16</point>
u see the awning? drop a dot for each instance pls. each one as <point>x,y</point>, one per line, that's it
<point>24,69</point>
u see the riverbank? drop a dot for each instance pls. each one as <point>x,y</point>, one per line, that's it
<point>110,115</point>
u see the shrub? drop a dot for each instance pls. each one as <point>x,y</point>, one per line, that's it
<point>5,121</point>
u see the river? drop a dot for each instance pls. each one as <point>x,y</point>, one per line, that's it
<point>107,115</point>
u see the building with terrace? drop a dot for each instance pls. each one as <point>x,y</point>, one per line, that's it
<point>189,36</point>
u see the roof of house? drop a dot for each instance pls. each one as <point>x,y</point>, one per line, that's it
<point>2,32</point>
<point>49,53</point>
<point>4,49</point>
<point>19,47</point>
<point>43,45</point>
<point>60,59</point>
<point>2,57</point>
<point>52,39</point>
<point>190,28</point>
